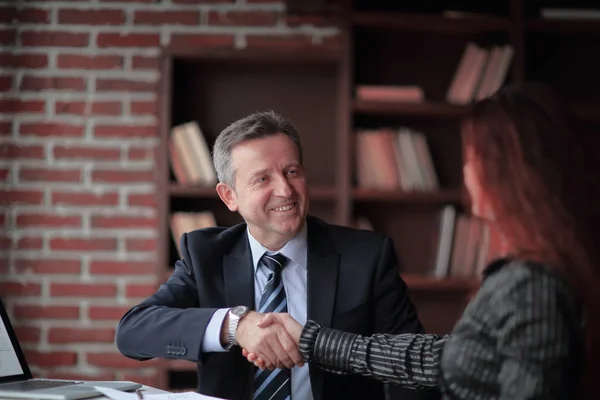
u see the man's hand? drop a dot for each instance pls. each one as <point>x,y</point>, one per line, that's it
<point>271,342</point>
<point>293,328</point>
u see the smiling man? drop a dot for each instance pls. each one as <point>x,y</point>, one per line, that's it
<point>278,260</point>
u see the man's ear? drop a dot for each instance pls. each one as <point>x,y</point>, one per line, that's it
<point>227,195</point>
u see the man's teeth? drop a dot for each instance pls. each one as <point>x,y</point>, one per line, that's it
<point>284,208</point>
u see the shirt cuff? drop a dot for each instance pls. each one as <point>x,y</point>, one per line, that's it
<point>326,346</point>
<point>211,341</point>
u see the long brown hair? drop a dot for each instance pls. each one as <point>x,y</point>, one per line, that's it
<point>538,179</point>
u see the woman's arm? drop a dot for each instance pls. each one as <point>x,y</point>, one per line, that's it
<point>411,360</point>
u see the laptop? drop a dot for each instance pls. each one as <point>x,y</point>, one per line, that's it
<point>16,381</point>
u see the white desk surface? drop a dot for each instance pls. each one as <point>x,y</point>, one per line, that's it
<point>145,389</point>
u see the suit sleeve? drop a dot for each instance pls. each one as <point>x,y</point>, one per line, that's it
<point>394,313</point>
<point>170,323</point>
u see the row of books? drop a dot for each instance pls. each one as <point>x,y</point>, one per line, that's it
<point>480,73</point>
<point>392,158</point>
<point>463,245</point>
<point>190,157</point>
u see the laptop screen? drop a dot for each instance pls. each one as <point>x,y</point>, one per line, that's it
<point>13,366</point>
<point>9,362</point>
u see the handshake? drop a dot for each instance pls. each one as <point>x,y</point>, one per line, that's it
<point>270,340</point>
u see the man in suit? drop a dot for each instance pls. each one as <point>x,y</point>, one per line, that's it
<point>340,277</point>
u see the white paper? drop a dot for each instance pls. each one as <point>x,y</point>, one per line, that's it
<point>119,395</point>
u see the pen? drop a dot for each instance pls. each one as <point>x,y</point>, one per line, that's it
<point>139,394</point>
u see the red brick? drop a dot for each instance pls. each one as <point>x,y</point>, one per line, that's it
<point>21,196</point>
<point>3,261</point>
<point>243,18</point>
<point>8,36</point>
<point>6,128</point>
<point>51,359</point>
<point>23,106</point>
<point>28,60</point>
<point>140,154</point>
<point>83,289</point>
<point>81,335</point>
<point>48,266</point>
<point>36,83</point>
<point>143,107</point>
<point>124,85</point>
<point>91,17</point>
<point>15,151</point>
<point>69,61</point>
<point>116,360</point>
<point>124,131</point>
<point>85,198</point>
<point>267,41</point>
<point>201,40</point>
<point>142,200</point>
<point>26,220</point>
<point>145,62</point>
<point>33,15</point>
<point>128,40</point>
<point>87,153</point>
<point>49,175</point>
<point>49,129</point>
<point>123,222</point>
<point>5,241</point>
<point>76,244</point>
<point>113,313</point>
<point>8,289</point>
<point>159,17</point>
<point>107,108</point>
<point>54,38</point>
<point>8,14</point>
<point>332,42</point>
<point>3,174</point>
<point>103,267</point>
<point>71,376</point>
<point>28,334</point>
<point>29,243</point>
<point>120,176</point>
<point>6,83</point>
<point>146,245</point>
<point>139,290</point>
<point>31,312</point>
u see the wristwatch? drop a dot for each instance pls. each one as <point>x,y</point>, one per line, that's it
<point>235,314</point>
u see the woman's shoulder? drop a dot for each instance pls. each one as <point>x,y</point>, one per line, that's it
<point>514,278</point>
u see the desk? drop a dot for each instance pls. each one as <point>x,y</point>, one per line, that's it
<point>144,388</point>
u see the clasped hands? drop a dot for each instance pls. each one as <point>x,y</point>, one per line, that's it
<point>270,340</point>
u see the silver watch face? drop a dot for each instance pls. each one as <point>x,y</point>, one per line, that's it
<point>239,311</point>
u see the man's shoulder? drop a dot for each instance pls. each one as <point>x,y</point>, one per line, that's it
<point>216,236</point>
<point>347,234</point>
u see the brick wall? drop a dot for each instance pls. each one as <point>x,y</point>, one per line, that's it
<point>78,123</point>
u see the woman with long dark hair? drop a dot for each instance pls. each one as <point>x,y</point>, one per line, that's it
<point>531,331</point>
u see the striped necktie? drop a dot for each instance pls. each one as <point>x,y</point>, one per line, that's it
<point>276,384</point>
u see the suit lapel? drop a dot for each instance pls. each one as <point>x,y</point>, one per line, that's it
<point>238,275</point>
<point>322,265</point>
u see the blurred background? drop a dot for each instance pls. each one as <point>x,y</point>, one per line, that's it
<point>109,109</point>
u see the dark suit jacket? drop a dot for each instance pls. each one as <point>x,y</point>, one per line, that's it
<point>353,285</point>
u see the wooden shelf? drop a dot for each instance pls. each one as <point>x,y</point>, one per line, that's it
<point>423,282</point>
<point>177,190</point>
<point>430,22</point>
<point>566,27</point>
<point>398,196</point>
<point>409,109</point>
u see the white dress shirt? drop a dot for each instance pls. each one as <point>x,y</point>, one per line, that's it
<point>294,281</point>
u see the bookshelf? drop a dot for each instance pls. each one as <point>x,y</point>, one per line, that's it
<point>385,44</point>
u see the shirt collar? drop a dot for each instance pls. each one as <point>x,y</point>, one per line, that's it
<point>295,249</point>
